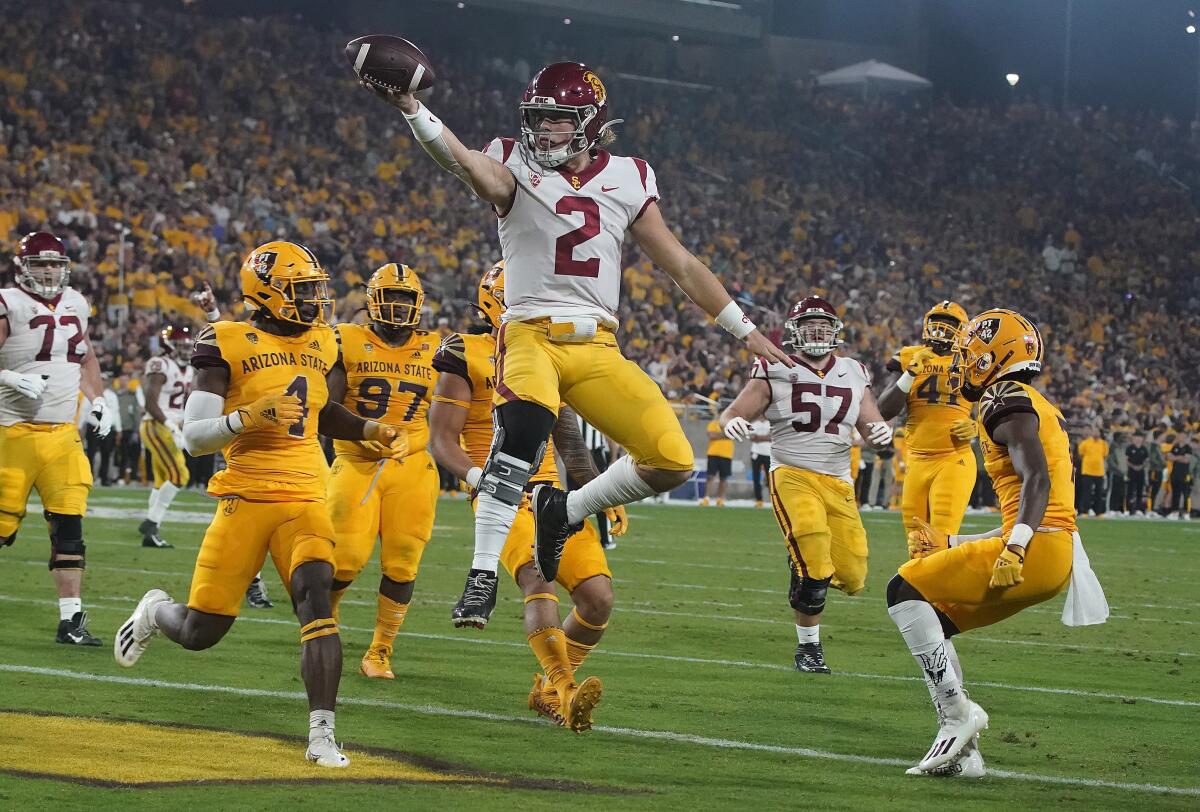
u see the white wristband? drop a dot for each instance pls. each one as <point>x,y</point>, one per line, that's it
<point>734,321</point>
<point>213,315</point>
<point>1020,535</point>
<point>425,125</point>
<point>905,382</point>
<point>472,477</point>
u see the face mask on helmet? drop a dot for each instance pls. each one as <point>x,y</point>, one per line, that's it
<point>394,307</point>
<point>555,133</point>
<point>308,300</point>
<point>941,332</point>
<point>43,276</point>
<point>814,335</point>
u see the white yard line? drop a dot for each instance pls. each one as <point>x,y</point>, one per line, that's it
<point>670,736</point>
<point>471,640</point>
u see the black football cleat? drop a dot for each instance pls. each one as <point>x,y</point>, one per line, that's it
<point>256,594</point>
<point>74,632</point>
<point>550,529</point>
<point>478,600</point>
<point>810,659</point>
<point>151,536</point>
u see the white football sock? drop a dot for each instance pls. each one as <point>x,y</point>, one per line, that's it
<point>320,723</point>
<point>493,521</point>
<point>919,626</point>
<point>809,634</point>
<point>166,494</point>
<point>619,485</point>
<point>152,506</point>
<point>952,654</point>
<point>67,607</point>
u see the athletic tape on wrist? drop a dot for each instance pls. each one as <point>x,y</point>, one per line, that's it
<point>905,382</point>
<point>425,125</point>
<point>734,321</point>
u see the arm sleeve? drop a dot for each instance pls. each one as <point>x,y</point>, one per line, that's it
<point>206,427</point>
<point>1001,400</point>
<point>207,352</point>
<point>451,356</point>
<point>649,186</point>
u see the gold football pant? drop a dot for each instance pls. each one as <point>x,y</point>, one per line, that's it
<point>582,557</point>
<point>45,456</point>
<point>938,489</point>
<point>166,459</point>
<point>610,392</point>
<point>390,500</point>
<point>819,518</point>
<point>237,543</point>
<point>956,580</point>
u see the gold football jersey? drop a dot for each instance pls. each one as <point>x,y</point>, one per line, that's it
<point>393,385</point>
<point>1008,397</point>
<point>278,464</point>
<point>473,357</point>
<point>932,407</point>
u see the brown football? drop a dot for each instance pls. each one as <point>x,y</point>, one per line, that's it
<point>390,62</point>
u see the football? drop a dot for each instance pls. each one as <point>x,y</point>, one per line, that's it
<point>390,62</point>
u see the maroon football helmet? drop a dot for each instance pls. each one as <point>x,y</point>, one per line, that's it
<point>813,327</point>
<point>176,341</point>
<point>42,264</point>
<point>564,90</point>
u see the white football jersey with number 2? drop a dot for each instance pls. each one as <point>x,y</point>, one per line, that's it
<point>561,238</point>
<point>47,339</point>
<point>813,412</point>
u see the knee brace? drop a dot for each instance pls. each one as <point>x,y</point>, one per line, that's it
<point>518,445</point>
<point>66,538</point>
<point>807,595</point>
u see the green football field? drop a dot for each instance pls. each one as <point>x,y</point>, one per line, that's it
<point>701,709</point>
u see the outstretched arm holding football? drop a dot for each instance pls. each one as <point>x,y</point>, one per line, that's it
<point>699,283</point>
<point>486,176</point>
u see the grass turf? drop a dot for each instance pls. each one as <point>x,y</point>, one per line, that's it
<point>701,707</point>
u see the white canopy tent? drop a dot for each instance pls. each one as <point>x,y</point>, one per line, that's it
<point>872,78</point>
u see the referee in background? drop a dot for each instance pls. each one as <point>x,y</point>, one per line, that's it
<point>604,451</point>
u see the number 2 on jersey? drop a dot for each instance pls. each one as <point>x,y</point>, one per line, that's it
<point>812,410</point>
<point>565,263</point>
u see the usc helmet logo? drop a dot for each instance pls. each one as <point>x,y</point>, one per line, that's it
<point>597,86</point>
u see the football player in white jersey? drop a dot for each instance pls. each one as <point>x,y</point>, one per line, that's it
<point>45,361</point>
<point>813,407</point>
<point>168,380</point>
<point>563,206</point>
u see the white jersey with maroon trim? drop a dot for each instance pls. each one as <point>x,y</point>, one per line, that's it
<point>813,412</point>
<point>47,339</point>
<point>561,238</point>
<point>174,390</point>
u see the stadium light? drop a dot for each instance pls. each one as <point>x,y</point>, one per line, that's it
<point>462,5</point>
<point>1012,79</point>
<point>566,20</point>
<point>674,38</point>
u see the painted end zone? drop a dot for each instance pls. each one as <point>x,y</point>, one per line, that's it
<point>131,754</point>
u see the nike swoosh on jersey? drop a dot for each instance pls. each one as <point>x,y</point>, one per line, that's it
<point>609,188</point>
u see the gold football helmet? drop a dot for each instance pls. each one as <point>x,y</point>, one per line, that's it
<point>286,280</point>
<point>994,345</point>
<point>942,324</point>
<point>491,294</point>
<point>395,310</point>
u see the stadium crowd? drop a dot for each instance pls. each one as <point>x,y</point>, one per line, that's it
<point>162,146</point>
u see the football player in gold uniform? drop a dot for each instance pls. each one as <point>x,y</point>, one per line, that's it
<point>956,583</point>
<point>384,372</point>
<point>940,466</point>
<point>461,426</point>
<point>259,394</point>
